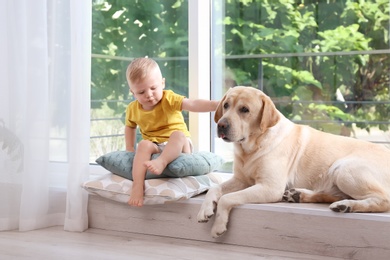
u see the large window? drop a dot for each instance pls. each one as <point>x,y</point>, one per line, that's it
<point>324,63</point>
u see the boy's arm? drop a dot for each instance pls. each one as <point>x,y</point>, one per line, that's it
<point>199,105</point>
<point>130,135</point>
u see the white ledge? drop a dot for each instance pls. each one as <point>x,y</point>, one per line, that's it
<point>304,208</point>
<point>303,228</point>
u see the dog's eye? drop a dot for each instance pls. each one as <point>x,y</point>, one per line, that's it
<point>244,110</point>
<point>226,106</point>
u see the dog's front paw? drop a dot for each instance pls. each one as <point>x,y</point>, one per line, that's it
<point>340,206</point>
<point>218,229</point>
<point>205,213</point>
<point>291,195</point>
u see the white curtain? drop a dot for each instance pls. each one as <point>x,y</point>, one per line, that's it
<point>44,113</point>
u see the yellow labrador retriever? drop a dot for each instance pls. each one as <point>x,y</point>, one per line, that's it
<point>275,160</point>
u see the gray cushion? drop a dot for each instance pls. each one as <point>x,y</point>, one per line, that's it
<point>121,163</point>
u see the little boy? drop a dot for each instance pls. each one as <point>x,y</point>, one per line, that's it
<point>157,112</point>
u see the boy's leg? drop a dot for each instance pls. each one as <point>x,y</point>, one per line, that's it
<point>142,154</point>
<point>177,143</point>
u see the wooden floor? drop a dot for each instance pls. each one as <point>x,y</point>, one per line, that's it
<point>54,243</point>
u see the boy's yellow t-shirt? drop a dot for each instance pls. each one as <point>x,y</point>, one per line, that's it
<point>158,124</point>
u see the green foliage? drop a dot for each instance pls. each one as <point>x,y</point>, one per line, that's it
<point>288,26</point>
<point>131,29</point>
<point>312,87</point>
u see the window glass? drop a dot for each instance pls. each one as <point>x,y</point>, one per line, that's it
<point>122,31</point>
<point>324,63</point>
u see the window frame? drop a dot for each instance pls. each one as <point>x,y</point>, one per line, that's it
<point>199,59</point>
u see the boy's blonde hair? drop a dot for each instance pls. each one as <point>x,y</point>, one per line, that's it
<point>139,68</point>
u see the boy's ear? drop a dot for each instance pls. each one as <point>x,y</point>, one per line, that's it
<point>163,83</point>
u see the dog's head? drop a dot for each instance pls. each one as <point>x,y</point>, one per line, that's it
<point>244,112</point>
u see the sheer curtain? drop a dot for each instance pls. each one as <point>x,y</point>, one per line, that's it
<point>44,113</point>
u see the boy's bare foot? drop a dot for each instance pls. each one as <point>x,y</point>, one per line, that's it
<point>156,166</point>
<point>136,196</point>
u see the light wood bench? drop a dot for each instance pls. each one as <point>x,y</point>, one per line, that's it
<point>304,228</point>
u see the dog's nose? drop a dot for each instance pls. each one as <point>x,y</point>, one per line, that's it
<point>223,125</point>
<point>223,129</point>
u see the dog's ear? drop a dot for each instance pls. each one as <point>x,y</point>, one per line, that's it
<point>218,111</point>
<point>269,115</point>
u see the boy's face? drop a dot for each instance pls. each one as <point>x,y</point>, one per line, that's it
<point>149,91</point>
